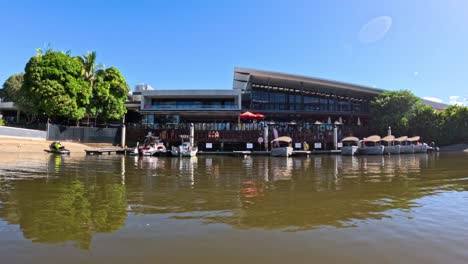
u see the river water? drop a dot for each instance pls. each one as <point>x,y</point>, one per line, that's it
<point>321,209</point>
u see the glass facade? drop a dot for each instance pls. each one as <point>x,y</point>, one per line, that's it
<point>191,104</point>
<point>263,99</point>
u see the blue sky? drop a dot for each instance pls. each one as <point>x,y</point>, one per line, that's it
<point>420,45</point>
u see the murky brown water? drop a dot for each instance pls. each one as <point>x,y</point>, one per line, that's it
<point>322,209</point>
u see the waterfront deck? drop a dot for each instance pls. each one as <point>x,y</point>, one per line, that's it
<point>109,151</point>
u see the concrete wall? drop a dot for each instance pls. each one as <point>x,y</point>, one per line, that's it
<point>22,133</point>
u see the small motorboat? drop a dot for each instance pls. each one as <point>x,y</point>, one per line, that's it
<point>371,146</point>
<point>57,148</point>
<point>282,151</point>
<point>184,150</point>
<point>350,146</point>
<point>152,146</point>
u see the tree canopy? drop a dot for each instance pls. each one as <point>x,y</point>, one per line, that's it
<point>109,94</point>
<point>407,115</point>
<point>53,82</point>
<point>395,109</point>
<point>66,87</point>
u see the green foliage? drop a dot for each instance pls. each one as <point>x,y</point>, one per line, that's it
<point>425,123</point>
<point>2,122</point>
<point>54,84</point>
<point>13,92</point>
<point>405,113</point>
<point>395,109</point>
<point>454,125</point>
<point>12,87</point>
<point>109,94</point>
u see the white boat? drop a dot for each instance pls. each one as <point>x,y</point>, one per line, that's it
<point>350,146</point>
<point>405,147</point>
<point>151,146</point>
<point>282,151</point>
<point>371,146</point>
<point>389,145</point>
<point>184,150</point>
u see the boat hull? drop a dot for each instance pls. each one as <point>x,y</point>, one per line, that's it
<point>349,150</point>
<point>281,152</point>
<point>407,149</point>
<point>420,149</point>
<point>392,149</point>
<point>375,150</point>
<point>59,152</point>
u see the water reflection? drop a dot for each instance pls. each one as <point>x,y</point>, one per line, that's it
<point>77,197</point>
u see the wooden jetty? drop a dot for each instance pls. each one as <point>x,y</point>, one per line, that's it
<point>109,151</point>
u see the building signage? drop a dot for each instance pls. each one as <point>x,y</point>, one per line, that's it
<point>249,145</point>
<point>318,145</point>
<point>298,145</point>
<point>340,145</point>
<point>209,145</point>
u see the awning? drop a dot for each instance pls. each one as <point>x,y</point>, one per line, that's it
<point>416,138</point>
<point>353,139</point>
<point>400,139</point>
<point>373,138</point>
<point>282,139</point>
<point>389,138</point>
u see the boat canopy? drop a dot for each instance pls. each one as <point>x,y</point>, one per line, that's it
<point>416,138</point>
<point>388,138</point>
<point>282,139</point>
<point>400,139</point>
<point>354,139</point>
<point>373,138</point>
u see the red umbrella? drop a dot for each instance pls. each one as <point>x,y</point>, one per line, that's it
<point>248,115</point>
<point>259,116</point>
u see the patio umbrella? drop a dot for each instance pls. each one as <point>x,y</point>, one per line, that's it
<point>317,123</point>
<point>248,115</point>
<point>259,116</point>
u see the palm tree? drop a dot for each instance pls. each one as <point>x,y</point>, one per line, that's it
<point>89,66</point>
<point>89,69</point>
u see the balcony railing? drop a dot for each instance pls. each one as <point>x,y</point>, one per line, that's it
<point>192,107</point>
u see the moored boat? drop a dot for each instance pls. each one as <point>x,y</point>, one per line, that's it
<point>405,147</point>
<point>350,146</point>
<point>371,146</point>
<point>418,147</point>
<point>184,150</point>
<point>389,145</point>
<point>282,151</point>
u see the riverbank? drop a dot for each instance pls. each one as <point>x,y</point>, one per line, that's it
<point>455,148</point>
<point>19,145</point>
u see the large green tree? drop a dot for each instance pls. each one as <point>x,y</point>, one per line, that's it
<point>13,92</point>
<point>425,123</point>
<point>12,86</point>
<point>54,84</point>
<point>109,94</point>
<point>454,125</point>
<point>395,109</point>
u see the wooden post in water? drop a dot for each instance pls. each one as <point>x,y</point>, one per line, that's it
<point>122,138</point>
<point>192,134</point>
<point>335,137</point>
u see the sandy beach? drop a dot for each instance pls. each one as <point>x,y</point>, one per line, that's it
<point>19,145</point>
